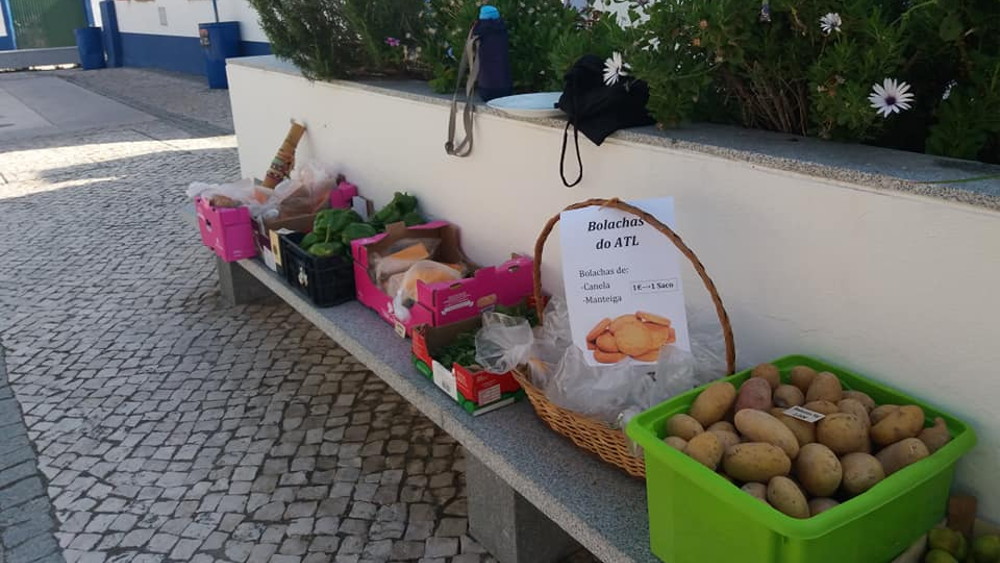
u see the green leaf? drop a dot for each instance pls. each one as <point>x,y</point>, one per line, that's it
<point>951,28</point>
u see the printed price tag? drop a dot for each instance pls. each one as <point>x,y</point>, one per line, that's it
<point>489,395</point>
<point>444,378</point>
<point>623,283</point>
<point>805,414</point>
<point>400,329</point>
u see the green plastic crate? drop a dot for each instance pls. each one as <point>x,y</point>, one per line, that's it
<point>697,516</point>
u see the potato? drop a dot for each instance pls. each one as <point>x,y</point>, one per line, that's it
<point>755,461</point>
<point>723,426</point>
<point>822,407</point>
<point>767,372</point>
<point>788,396</point>
<point>755,393</point>
<point>901,454</point>
<point>711,405</point>
<point>862,398</point>
<point>683,426</point>
<point>936,436</point>
<point>802,377</point>
<point>853,406</point>
<point>786,496</point>
<point>880,412</point>
<point>805,432</point>
<point>676,442</point>
<point>760,426</point>
<point>756,490</point>
<point>820,505</point>
<point>726,438</point>
<point>825,387</point>
<point>843,433</point>
<point>818,470</point>
<point>706,449</point>
<point>861,472</point>
<point>906,422</point>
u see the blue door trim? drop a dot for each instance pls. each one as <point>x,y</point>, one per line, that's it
<point>88,8</point>
<point>10,42</point>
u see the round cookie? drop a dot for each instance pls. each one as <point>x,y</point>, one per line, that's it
<point>660,333</point>
<point>607,343</point>
<point>652,318</point>
<point>608,357</point>
<point>623,321</point>
<point>634,340</point>
<point>599,329</point>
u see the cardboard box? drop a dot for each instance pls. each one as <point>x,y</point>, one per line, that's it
<point>476,390</point>
<point>226,230</point>
<point>267,237</point>
<point>441,303</point>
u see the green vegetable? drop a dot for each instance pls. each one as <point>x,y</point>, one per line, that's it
<point>308,240</point>
<point>521,310</point>
<point>396,210</point>
<point>357,230</point>
<point>414,218</point>
<point>461,351</point>
<point>330,223</point>
<point>323,249</point>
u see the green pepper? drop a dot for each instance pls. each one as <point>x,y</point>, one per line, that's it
<point>414,218</point>
<point>355,231</point>
<point>308,240</point>
<point>323,249</point>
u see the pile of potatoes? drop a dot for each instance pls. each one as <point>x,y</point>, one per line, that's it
<point>801,468</point>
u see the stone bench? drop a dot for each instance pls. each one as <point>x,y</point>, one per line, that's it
<point>533,496</point>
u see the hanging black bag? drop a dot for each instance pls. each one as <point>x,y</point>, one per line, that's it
<point>597,109</point>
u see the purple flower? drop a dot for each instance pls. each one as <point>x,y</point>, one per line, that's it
<point>392,42</point>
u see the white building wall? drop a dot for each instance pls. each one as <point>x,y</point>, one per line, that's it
<point>899,287</point>
<point>183,16</point>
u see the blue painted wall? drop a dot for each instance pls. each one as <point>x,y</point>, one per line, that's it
<point>180,54</point>
<point>7,43</point>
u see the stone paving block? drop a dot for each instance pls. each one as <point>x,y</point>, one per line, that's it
<point>167,423</point>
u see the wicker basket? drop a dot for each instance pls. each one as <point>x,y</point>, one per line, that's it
<point>595,436</point>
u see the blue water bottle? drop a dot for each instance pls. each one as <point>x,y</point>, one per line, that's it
<point>494,55</point>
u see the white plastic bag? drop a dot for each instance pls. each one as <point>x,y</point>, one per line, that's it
<point>599,392</point>
<point>241,192</point>
<point>503,343</point>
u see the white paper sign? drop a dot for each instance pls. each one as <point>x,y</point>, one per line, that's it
<point>620,271</point>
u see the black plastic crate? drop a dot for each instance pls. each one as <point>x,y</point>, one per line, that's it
<point>325,281</point>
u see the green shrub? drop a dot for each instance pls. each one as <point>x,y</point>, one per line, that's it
<point>343,38</point>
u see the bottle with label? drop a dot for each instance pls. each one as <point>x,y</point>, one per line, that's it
<point>284,161</point>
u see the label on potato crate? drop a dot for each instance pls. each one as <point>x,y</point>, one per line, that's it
<point>623,283</point>
<point>804,414</point>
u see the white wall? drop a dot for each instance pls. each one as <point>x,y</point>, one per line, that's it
<point>183,17</point>
<point>902,288</point>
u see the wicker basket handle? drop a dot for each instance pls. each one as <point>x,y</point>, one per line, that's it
<point>720,309</point>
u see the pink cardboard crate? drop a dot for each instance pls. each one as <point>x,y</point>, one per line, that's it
<point>226,230</point>
<point>441,303</point>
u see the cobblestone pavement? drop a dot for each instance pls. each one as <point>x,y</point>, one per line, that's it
<point>171,427</point>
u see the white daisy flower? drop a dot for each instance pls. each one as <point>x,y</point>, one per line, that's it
<point>615,68</point>
<point>890,97</point>
<point>830,23</point>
